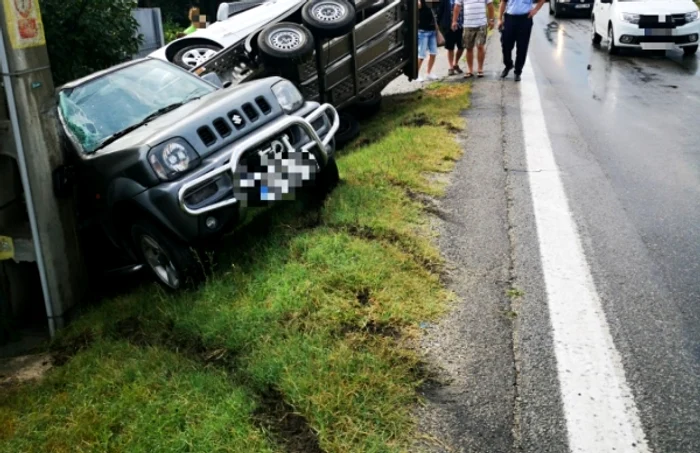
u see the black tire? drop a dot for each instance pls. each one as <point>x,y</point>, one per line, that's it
<point>349,129</point>
<point>365,108</point>
<point>328,19</point>
<point>557,13</point>
<point>179,263</point>
<point>192,56</point>
<point>551,7</point>
<point>328,179</point>
<point>689,51</point>
<point>285,42</point>
<point>612,48</point>
<point>596,37</point>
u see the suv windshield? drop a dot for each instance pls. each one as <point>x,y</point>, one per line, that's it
<point>102,108</point>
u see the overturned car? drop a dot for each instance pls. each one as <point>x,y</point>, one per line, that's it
<point>340,52</point>
<point>161,161</point>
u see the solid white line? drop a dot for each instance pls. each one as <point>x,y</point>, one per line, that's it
<point>601,415</point>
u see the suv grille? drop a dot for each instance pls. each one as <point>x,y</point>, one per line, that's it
<point>207,136</point>
<point>263,105</point>
<point>222,127</point>
<point>250,112</point>
<point>237,119</point>
<point>652,21</point>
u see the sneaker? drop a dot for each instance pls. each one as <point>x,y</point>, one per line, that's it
<point>433,77</point>
<point>420,79</point>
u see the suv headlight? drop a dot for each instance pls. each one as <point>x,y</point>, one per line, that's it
<point>288,96</point>
<point>630,18</point>
<point>172,158</point>
<point>692,17</point>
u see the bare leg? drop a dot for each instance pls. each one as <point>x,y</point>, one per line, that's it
<point>431,62</point>
<point>458,57</point>
<point>470,60</point>
<point>451,58</point>
<point>420,63</point>
<point>481,56</point>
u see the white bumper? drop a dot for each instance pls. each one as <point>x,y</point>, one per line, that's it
<point>630,35</point>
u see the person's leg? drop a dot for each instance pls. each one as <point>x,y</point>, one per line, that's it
<point>432,51</point>
<point>523,40</point>
<point>469,42</point>
<point>481,49</point>
<point>507,44</point>
<point>450,47</point>
<point>460,49</point>
<point>422,50</point>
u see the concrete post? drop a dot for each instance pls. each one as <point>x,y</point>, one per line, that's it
<point>26,76</point>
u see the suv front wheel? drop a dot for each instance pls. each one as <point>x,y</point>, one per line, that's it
<point>174,263</point>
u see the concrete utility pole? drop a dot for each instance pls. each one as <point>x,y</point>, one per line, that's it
<point>26,75</point>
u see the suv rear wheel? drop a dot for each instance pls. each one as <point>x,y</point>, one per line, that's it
<point>595,37</point>
<point>285,42</point>
<point>690,51</point>
<point>328,19</point>
<point>174,264</point>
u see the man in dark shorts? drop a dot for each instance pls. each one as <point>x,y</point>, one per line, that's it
<point>453,38</point>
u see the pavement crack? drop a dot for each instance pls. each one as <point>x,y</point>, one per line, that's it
<point>515,303</point>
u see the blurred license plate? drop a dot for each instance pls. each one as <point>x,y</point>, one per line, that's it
<point>657,46</point>
<point>587,5</point>
<point>658,32</point>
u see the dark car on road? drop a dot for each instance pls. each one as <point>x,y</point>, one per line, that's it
<point>161,161</point>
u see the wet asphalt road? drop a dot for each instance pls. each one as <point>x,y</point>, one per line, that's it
<point>625,134</point>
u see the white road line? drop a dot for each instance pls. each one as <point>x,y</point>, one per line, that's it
<point>601,415</point>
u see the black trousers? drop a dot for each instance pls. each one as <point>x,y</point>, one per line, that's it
<point>516,31</point>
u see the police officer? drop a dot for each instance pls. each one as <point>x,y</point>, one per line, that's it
<point>515,23</point>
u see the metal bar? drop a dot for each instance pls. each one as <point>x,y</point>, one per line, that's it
<point>255,139</point>
<point>21,160</point>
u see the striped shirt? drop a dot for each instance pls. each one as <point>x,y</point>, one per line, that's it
<point>474,12</point>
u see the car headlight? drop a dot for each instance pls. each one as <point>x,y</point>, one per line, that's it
<point>172,158</point>
<point>288,96</point>
<point>630,18</point>
<point>692,17</point>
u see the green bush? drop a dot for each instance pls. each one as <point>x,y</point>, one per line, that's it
<point>84,36</point>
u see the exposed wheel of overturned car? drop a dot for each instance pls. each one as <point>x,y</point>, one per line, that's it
<point>328,18</point>
<point>175,264</point>
<point>192,56</point>
<point>285,42</point>
<point>367,106</point>
<point>348,130</point>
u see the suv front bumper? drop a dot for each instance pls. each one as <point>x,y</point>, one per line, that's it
<point>212,183</point>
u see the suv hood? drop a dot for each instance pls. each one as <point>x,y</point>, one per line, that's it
<point>660,7</point>
<point>187,120</point>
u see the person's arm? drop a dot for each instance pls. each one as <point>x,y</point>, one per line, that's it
<point>536,9</point>
<point>455,15</point>
<point>491,13</point>
<point>501,12</point>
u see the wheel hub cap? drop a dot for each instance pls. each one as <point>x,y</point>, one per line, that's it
<point>286,39</point>
<point>195,57</point>
<point>328,12</point>
<point>158,260</point>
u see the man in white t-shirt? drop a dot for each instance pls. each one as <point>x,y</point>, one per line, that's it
<point>478,19</point>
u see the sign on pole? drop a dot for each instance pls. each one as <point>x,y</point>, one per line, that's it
<point>24,23</point>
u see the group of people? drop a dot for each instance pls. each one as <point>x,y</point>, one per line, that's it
<point>464,25</point>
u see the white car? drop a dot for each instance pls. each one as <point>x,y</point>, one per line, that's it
<point>647,24</point>
<point>236,21</point>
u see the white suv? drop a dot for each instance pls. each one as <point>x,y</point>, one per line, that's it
<point>647,24</point>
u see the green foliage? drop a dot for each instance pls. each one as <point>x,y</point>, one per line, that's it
<point>84,36</point>
<point>170,30</point>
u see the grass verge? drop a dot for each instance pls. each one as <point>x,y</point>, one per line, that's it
<point>300,340</point>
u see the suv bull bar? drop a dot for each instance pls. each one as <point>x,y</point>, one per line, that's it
<point>316,145</point>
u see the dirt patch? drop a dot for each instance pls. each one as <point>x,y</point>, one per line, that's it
<point>18,370</point>
<point>288,428</point>
<point>378,328</point>
<point>418,120</point>
<point>363,297</point>
<point>63,350</point>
